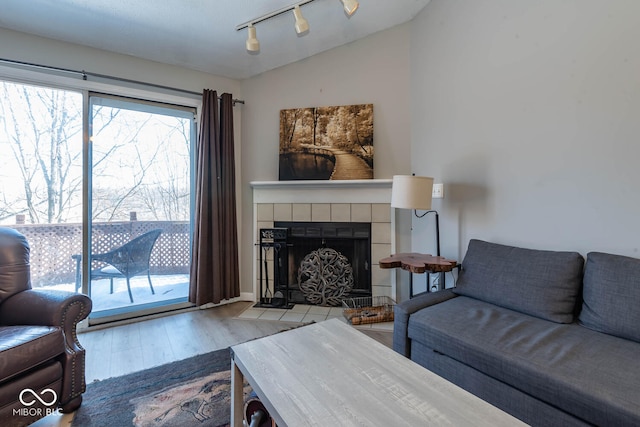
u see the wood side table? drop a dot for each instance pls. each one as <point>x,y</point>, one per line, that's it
<point>419,263</point>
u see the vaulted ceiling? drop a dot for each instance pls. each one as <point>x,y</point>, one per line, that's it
<point>201,34</point>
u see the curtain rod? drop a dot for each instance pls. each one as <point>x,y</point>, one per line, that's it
<point>85,74</point>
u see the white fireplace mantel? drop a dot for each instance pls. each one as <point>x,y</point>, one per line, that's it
<point>346,191</point>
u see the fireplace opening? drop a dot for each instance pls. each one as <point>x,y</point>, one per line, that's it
<point>325,262</point>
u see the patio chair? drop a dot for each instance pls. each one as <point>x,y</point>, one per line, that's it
<point>128,260</point>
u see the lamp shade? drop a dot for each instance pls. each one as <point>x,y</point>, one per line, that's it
<point>411,192</point>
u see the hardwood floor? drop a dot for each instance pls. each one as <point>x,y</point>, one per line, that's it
<point>132,347</point>
<point>120,350</point>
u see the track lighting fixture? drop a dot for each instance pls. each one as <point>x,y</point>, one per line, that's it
<point>350,6</point>
<point>302,26</point>
<point>253,45</point>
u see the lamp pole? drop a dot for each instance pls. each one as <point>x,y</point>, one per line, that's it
<point>441,276</point>
<point>437,227</point>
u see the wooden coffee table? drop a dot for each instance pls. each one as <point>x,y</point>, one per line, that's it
<point>331,374</point>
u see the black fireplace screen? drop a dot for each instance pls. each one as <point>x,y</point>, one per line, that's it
<point>352,240</point>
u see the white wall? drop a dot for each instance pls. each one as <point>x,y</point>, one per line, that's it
<point>528,111</point>
<point>373,70</point>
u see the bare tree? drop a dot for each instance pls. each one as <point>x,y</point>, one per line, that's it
<point>43,128</point>
<point>288,122</point>
<point>150,171</point>
<point>361,118</point>
<point>42,178</point>
<point>170,199</point>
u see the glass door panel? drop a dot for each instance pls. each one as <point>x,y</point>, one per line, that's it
<point>140,205</point>
<point>41,178</point>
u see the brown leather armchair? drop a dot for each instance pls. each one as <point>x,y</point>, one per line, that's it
<point>41,360</point>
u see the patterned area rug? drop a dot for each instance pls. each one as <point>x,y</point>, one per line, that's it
<point>190,392</point>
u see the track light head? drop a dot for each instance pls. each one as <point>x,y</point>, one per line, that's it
<point>302,26</point>
<point>350,6</point>
<point>253,45</point>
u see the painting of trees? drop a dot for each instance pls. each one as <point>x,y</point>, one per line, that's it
<point>327,142</point>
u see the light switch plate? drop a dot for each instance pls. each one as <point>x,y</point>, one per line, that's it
<point>438,191</point>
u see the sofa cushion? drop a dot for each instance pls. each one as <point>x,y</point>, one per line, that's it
<point>575,369</point>
<point>544,284</point>
<point>611,295</point>
<point>24,347</point>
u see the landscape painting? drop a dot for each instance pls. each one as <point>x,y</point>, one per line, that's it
<point>322,143</point>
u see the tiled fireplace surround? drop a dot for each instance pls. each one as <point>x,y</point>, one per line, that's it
<point>330,201</point>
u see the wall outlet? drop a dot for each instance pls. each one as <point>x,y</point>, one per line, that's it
<point>438,191</point>
<point>434,282</point>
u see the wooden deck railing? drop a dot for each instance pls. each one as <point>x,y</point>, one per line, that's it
<point>52,246</point>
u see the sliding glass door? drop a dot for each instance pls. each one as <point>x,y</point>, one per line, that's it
<point>140,204</point>
<point>122,216</point>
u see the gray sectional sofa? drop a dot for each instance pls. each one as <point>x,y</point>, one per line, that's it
<point>542,335</point>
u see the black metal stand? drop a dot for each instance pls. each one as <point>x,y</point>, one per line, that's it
<point>441,277</point>
<point>275,239</point>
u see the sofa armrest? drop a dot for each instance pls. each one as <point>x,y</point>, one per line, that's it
<point>47,308</point>
<point>404,310</point>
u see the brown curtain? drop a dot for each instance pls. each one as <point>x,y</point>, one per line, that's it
<point>214,262</point>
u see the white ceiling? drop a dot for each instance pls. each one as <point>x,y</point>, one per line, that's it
<point>201,34</point>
